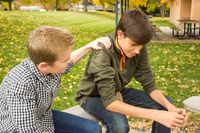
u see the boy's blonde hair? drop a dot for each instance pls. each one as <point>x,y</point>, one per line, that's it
<point>45,44</point>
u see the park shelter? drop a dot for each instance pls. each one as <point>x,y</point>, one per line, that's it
<point>184,9</point>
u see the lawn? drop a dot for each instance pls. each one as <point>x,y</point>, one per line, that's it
<point>162,21</point>
<point>176,65</point>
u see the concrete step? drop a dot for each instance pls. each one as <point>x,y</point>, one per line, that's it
<point>78,111</point>
<point>192,104</point>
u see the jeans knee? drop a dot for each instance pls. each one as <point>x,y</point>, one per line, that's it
<point>94,129</point>
<point>120,128</point>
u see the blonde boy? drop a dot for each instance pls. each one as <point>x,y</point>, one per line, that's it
<point>27,91</point>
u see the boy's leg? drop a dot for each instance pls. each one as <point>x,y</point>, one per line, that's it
<point>115,122</point>
<point>68,123</point>
<point>141,99</point>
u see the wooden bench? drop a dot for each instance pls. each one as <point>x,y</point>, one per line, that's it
<point>193,104</point>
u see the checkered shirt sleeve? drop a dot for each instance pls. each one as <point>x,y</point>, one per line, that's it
<point>21,105</point>
<point>47,123</point>
<point>69,65</point>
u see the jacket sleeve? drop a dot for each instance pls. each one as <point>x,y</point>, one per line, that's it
<point>143,73</point>
<point>100,67</point>
<point>21,105</point>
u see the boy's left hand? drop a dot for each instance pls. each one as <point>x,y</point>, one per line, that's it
<point>181,112</point>
<point>103,40</point>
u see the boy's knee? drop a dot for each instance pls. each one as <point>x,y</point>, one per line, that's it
<point>96,128</point>
<point>120,128</point>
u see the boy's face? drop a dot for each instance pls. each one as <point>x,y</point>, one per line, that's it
<point>129,47</point>
<point>62,62</point>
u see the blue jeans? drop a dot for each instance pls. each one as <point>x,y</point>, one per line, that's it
<point>118,123</point>
<point>68,123</point>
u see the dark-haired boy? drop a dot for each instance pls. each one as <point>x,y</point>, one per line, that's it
<point>102,91</point>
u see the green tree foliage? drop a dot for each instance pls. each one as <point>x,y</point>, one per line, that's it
<point>47,4</point>
<point>61,4</point>
<point>27,2</point>
<point>9,3</point>
<point>162,4</point>
<point>137,3</point>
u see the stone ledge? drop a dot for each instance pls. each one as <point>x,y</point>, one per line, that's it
<point>78,111</point>
<point>192,104</point>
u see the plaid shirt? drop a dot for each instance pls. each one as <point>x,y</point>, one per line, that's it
<point>26,96</point>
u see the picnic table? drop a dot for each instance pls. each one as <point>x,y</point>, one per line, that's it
<point>191,29</point>
<point>155,30</point>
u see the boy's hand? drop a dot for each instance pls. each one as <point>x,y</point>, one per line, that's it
<point>181,112</point>
<point>103,40</point>
<point>170,119</point>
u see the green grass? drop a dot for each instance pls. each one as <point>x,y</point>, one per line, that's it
<point>177,66</point>
<point>162,21</point>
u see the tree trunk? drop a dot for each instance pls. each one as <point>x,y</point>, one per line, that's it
<point>103,6</point>
<point>85,5</point>
<point>162,10</point>
<point>56,5</point>
<point>10,5</point>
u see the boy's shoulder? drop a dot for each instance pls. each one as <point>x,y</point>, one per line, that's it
<point>20,80</point>
<point>21,73</point>
<point>102,54</point>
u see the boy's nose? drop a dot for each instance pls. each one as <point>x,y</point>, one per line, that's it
<point>137,51</point>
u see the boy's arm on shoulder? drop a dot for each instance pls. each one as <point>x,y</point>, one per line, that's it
<point>21,106</point>
<point>79,53</point>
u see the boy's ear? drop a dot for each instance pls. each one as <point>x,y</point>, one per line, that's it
<point>42,66</point>
<point>120,34</point>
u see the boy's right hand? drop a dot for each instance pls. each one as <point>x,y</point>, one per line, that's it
<point>170,119</point>
<point>103,40</point>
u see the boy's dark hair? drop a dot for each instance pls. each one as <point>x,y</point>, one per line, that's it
<point>136,26</point>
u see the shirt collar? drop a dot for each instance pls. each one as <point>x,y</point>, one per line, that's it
<point>35,71</point>
<point>119,51</point>
<point>112,37</point>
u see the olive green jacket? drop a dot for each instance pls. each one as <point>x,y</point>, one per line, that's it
<point>103,78</point>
